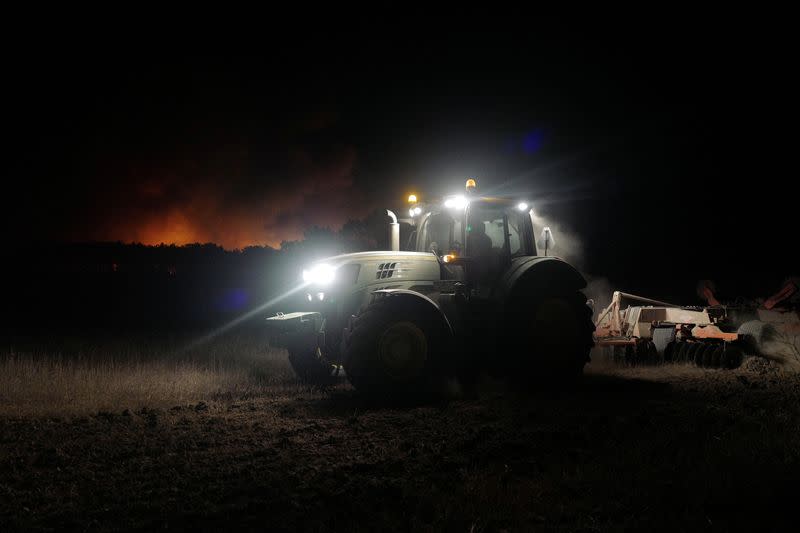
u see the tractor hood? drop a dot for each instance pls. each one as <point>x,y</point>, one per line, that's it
<point>363,267</point>
<point>375,256</point>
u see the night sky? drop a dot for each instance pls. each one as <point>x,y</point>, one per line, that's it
<point>656,143</point>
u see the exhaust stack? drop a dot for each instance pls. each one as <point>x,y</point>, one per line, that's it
<point>394,232</point>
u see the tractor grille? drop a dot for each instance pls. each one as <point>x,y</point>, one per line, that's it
<point>385,270</point>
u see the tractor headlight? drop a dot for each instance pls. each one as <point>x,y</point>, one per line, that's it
<point>321,274</point>
<point>455,202</point>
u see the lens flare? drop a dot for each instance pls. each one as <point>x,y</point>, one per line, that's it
<point>455,202</point>
<point>238,320</point>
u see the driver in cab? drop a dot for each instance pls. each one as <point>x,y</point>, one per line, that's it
<point>478,243</point>
<point>479,248</point>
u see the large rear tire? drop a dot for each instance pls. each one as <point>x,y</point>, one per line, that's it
<point>553,335</point>
<point>395,348</point>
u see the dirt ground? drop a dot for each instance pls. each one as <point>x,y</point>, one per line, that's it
<point>668,448</point>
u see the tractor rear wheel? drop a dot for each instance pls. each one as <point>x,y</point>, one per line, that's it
<point>551,334</point>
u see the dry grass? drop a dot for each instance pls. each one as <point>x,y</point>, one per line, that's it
<point>630,449</point>
<point>114,376</point>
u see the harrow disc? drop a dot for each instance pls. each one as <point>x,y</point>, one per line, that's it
<point>692,351</point>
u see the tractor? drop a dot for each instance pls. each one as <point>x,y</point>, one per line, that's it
<point>471,291</point>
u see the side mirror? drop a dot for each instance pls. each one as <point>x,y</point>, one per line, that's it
<point>546,241</point>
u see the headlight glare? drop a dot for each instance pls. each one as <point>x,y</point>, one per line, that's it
<point>455,202</point>
<point>321,274</point>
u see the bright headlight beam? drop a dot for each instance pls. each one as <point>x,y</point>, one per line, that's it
<point>522,206</point>
<point>321,274</point>
<point>238,320</point>
<point>456,202</point>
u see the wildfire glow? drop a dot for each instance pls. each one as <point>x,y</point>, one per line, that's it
<point>198,203</point>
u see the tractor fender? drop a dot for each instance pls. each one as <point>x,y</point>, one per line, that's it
<point>544,272</point>
<point>419,299</point>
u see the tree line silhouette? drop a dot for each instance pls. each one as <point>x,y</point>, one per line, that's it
<point>119,286</point>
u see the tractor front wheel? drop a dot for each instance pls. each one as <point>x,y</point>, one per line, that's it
<point>395,348</point>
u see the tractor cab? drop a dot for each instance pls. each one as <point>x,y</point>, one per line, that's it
<point>475,237</point>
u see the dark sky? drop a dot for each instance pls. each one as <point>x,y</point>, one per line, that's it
<point>654,137</point>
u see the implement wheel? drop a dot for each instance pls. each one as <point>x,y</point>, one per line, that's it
<point>653,357</point>
<point>630,355</point>
<point>714,356</point>
<point>732,357</point>
<point>679,352</point>
<point>670,352</point>
<point>702,356</point>
<point>619,355</point>
<point>692,351</point>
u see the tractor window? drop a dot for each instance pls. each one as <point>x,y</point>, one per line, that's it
<point>407,236</point>
<point>494,231</point>
<point>440,234</point>
<point>514,232</point>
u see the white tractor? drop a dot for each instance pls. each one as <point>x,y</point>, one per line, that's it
<point>473,291</point>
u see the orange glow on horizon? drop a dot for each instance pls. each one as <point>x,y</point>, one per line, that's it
<point>217,200</point>
<point>177,229</point>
